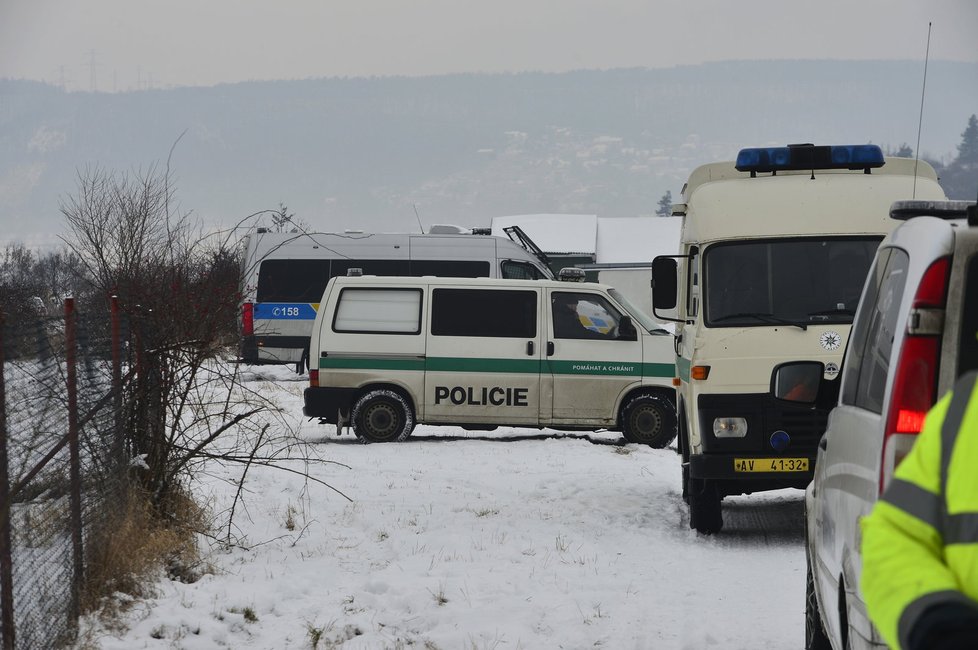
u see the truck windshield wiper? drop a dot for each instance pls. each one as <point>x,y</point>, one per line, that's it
<point>832,312</point>
<point>762,316</point>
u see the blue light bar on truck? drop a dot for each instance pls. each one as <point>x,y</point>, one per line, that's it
<point>796,157</point>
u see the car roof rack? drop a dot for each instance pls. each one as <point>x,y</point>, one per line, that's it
<point>904,210</point>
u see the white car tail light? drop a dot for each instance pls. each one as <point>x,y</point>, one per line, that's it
<point>915,379</point>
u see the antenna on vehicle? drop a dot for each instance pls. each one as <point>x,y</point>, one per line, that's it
<point>920,122</point>
<point>415,206</point>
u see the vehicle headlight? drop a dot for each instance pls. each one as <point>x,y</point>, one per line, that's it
<point>730,427</point>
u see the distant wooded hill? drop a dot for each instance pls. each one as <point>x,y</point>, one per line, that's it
<point>368,153</point>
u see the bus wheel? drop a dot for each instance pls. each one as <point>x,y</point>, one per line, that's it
<point>382,416</point>
<point>649,419</point>
<point>704,506</point>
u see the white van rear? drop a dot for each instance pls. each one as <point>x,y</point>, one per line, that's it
<point>389,353</point>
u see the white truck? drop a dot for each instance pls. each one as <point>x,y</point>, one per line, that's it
<point>284,274</point>
<point>388,353</point>
<point>774,252</point>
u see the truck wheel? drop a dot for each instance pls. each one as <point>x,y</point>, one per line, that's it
<point>382,416</point>
<point>815,637</point>
<point>649,419</point>
<point>704,506</point>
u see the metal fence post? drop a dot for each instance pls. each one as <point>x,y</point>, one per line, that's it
<point>118,449</point>
<point>75,462</point>
<point>6,560</point>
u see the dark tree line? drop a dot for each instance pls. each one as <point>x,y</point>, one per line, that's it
<point>959,178</point>
<point>33,283</point>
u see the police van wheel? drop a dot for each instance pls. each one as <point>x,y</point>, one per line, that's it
<point>705,515</point>
<point>382,416</point>
<point>649,420</point>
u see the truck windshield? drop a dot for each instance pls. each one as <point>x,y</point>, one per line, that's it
<point>785,281</point>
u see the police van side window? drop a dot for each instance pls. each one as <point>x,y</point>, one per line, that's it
<point>450,268</point>
<point>512,270</point>
<point>878,350</point>
<point>484,312</point>
<point>378,311</point>
<point>583,316</point>
<point>292,280</point>
<point>370,267</point>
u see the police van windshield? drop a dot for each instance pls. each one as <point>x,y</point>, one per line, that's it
<point>787,281</point>
<point>639,317</point>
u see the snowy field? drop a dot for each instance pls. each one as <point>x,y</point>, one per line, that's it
<point>510,539</point>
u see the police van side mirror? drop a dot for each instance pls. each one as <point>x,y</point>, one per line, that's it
<point>626,329</point>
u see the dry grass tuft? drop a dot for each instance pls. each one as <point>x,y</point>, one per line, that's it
<point>134,542</point>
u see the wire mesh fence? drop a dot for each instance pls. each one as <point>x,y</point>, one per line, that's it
<point>62,463</point>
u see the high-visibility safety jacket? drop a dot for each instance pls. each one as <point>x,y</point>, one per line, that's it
<point>920,543</point>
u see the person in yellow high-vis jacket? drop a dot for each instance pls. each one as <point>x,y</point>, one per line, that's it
<point>920,542</point>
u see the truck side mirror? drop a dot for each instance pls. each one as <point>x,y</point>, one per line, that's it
<point>665,282</point>
<point>626,329</point>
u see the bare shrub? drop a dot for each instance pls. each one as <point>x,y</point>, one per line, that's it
<point>126,549</point>
<point>184,405</point>
<point>178,284</point>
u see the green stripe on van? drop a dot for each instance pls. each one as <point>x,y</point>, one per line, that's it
<point>658,370</point>
<point>612,368</point>
<point>438,364</point>
<point>512,366</point>
<point>347,363</point>
<point>468,364</point>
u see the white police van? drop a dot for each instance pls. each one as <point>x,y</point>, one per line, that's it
<point>389,353</point>
<point>775,248</point>
<point>284,274</point>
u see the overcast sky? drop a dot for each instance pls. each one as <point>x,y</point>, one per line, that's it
<point>125,44</point>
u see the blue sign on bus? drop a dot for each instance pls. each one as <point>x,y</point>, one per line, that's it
<point>285,311</point>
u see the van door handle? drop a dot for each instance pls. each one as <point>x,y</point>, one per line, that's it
<point>529,348</point>
<point>550,348</point>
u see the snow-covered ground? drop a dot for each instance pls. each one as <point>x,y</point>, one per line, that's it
<point>515,538</point>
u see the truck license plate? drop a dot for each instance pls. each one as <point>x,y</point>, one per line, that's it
<point>770,464</point>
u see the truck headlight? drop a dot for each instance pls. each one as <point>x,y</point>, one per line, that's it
<point>730,427</point>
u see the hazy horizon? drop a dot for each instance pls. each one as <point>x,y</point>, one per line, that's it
<point>384,154</point>
<point>117,45</point>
